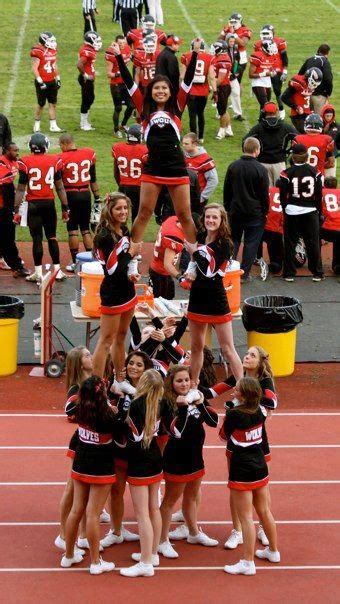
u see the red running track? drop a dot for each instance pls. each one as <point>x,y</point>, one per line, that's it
<point>307,511</point>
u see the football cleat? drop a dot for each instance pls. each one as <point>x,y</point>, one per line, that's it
<point>48,40</point>
<point>94,39</point>
<point>134,133</point>
<point>313,77</point>
<point>38,143</point>
<point>313,123</point>
<point>148,22</point>
<point>150,43</point>
<point>236,20</point>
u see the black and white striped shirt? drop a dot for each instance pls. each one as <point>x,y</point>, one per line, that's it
<point>129,3</point>
<point>89,5</point>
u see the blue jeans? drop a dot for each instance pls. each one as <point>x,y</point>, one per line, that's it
<point>252,231</point>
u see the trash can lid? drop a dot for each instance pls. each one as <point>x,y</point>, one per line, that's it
<point>271,301</point>
<point>11,307</point>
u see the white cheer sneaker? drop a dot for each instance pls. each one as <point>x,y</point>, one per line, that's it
<point>138,570</point>
<point>154,558</point>
<point>267,554</point>
<point>165,548</point>
<point>235,538</point>
<point>101,567</point>
<point>243,567</point>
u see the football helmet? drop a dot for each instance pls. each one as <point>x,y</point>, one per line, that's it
<point>148,22</point>
<point>202,46</point>
<point>134,133</point>
<point>48,40</point>
<point>219,46</point>
<point>313,77</point>
<point>235,20</point>
<point>38,143</point>
<point>313,123</point>
<point>150,43</point>
<point>269,47</point>
<point>267,32</point>
<point>94,39</point>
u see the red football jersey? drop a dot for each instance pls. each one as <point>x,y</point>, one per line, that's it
<point>89,54</point>
<point>135,37</point>
<point>41,170</point>
<point>10,164</point>
<point>129,159</point>
<point>319,147</point>
<point>331,209</point>
<point>6,177</point>
<point>242,32</point>
<point>76,168</point>
<point>262,62</point>
<point>302,94</point>
<point>147,64</point>
<point>275,215</point>
<point>109,56</point>
<point>200,85</point>
<point>47,61</point>
<point>170,236</point>
<point>281,47</point>
<point>222,61</point>
<point>201,164</point>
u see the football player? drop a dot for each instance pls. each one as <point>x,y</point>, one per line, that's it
<point>236,26</point>
<point>39,174</point>
<point>320,147</point>
<point>47,78</point>
<point>330,230</point>
<point>135,36</point>
<point>261,70</point>
<point>222,66</point>
<point>297,95</point>
<point>199,91</point>
<point>86,60</point>
<point>128,159</point>
<point>79,175</point>
<point>197,159</point>
<point>144,61</point>
<point>281,62</point>
<point>118,90</point>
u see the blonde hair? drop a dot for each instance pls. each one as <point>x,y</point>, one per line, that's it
<point>150,386</point>
<point>105,221</point>
<point>74,370</point>
<point>192,136</point>
<point>169,393</point>
<point>264,368</point>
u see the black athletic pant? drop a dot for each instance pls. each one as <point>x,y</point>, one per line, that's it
<point>128,19</point>
<point>196,106</point>
<point>8,249</point>
<point>121,96</point>
<point>252,231</point>
<point>333,237</point>
<point>262,95</point>
<point>42,215</point>
<point>307,227</point>
<point>277,89</point>
<point>133,193</point>
<point>87,94</point>
<point>162,285</point>
<point>89,24</point>
<point>241,69</point>
<point>274,243</point>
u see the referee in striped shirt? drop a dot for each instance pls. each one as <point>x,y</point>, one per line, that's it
<point>128,14</point>
<point>89,12</point>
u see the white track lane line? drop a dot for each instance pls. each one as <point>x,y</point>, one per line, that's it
<point>17,58</point>
<point>207,522</point>
<point>204,482</point>
<point>166,568</point>
<point>63,448</point>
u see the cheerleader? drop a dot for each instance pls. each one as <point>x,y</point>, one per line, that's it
<point>114,249</point>
<point>160,112</point>
<point>145,471</point>
<point>248,474</point>
<point>183,456</point>
<point>208,300</point>
<point>136,363</point>
<point>92,471</point>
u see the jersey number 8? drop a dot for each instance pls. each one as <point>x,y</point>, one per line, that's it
<point>331,202</point>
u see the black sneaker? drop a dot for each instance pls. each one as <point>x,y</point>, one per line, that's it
<point>318,278</point>
<point>21,272</point>
<point>239,118</point>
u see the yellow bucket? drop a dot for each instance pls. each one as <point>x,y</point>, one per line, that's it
<point>9,333</point>
<point>280,347</point>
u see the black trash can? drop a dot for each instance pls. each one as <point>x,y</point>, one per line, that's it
<point>11,311</point>
<point>271,323</point>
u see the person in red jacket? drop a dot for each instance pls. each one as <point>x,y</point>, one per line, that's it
<point>87,73</point>
<point>199,160</point>
<point>320,147</point>
<point>273,234</point>
<point>118,90</point>
<point>128,160</point>
<point>144,61</point>
<point>197,99</point>
<point>280,62</point>
<point>261,70</point>
<point>330,210</point>
<point>243,35</point>
<point>222,66</point>
<point>47,78</point>
<point>297,95</point>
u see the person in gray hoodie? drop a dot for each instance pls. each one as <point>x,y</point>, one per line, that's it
<point>202,163</point>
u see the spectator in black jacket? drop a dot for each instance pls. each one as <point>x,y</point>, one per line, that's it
<point>274,136</point>
<point>332,128</point>
<point>167,63</point>
<point>246,199</point>
<point>323,92</point>
<point>301,197</point>
<point>5,131</point>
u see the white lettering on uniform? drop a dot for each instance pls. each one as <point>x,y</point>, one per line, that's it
<point>253,434</point>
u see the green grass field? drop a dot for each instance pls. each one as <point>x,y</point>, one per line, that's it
<point>304,25</point>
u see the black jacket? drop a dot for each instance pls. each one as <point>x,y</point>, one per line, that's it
<point>301,185</point>
<point>322,63</point>
<point>246,189</point>
<point>167,65</point>
<point>274,140</point>
<point>5,131</point>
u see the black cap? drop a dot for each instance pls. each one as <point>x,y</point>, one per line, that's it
<point>299,148</point>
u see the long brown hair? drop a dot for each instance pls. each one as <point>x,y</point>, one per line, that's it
<point>224,232</point>
<point>251,393</point>
<point>169,394</point>
<point>105,221</point>
<point>150,386</point>
<point>148,364</point>
<point>264,368</point>
<point>208,374</point>
<point>74,370</point>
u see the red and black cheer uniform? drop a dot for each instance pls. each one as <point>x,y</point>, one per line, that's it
<point>161,353</point>
<point>47,71</point>
<point>118,90</point>
<point>330,230</point>
<point>121,405</point>
<point>243,432</point>
<point>298,95</point>
<point>208,300</point>
<point>93,461</point>
<point>170,236</point>
<point>222,62</point>
<point>117,292</point>
<point>199,92</point>
<point>320,148</point>
<point>165,164</point>
<point>79,170</point>
<point>273,232</point>
<point>128,162</point>
<point>183,454</point>
<point>8,248</point>
<point>144,463</point>
<point>71,411</point>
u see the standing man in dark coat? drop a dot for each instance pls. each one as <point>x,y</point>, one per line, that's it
<point>167,63</point>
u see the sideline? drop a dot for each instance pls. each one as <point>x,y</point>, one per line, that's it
<point>17,58</point>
